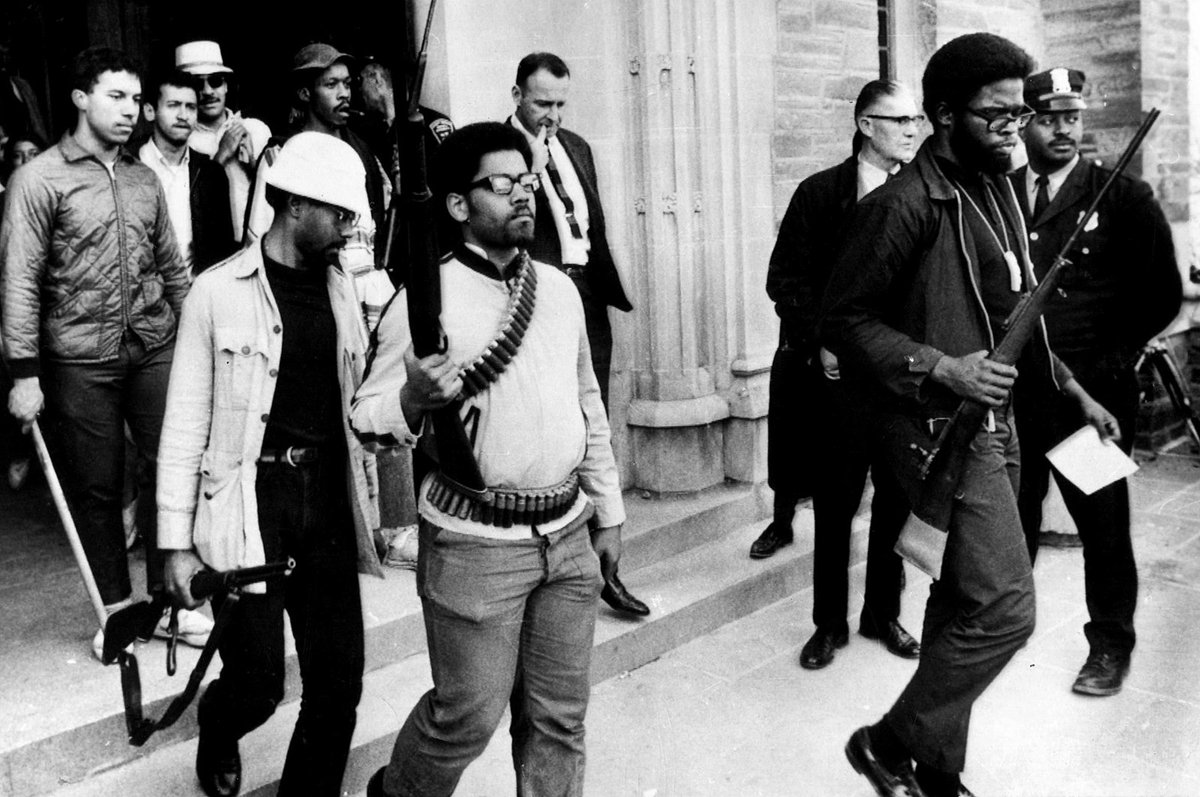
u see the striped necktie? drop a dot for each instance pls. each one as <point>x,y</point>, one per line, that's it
<point>567,203</point>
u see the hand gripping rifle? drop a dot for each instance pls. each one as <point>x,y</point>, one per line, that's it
<point>138,622</point>
<point>412,238</point>
<point>922,541</point>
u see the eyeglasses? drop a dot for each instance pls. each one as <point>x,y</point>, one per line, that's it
<point>213,81</point>
<point>999,118</point>
<point>503,184</point>
<point>903,121</point>
<point>345,218</point>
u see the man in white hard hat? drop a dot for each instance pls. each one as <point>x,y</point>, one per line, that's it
<point>233,141</point>
<point>257,465</point>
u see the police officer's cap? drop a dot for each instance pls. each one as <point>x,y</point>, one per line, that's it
<point>1058,89</point>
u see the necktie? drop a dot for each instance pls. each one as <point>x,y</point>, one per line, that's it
<point>568,205</point>
<point>1042,200</point>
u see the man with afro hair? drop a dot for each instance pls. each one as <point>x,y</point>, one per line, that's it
<point>916,300</point>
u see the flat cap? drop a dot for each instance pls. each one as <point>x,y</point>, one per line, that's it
<point>318,56</point>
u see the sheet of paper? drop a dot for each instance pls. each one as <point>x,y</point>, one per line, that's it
<point>1088,463</point>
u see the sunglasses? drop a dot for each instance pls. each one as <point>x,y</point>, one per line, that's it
<point>212,81</point>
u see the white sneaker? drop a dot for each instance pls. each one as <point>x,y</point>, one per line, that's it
<point>98,639</point>
<point>402,549</point>
<point>194,627</point>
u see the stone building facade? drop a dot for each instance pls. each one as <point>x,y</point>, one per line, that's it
<point>705,115</point>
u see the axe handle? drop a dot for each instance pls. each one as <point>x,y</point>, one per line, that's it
<point>64,514</point>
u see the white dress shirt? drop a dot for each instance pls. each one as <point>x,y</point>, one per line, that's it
<point>871,177</point>
<point>1055,181</point>
<point>574,250</point>
<point>177,185</point>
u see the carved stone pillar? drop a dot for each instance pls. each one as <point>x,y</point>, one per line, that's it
<point>700,115</point>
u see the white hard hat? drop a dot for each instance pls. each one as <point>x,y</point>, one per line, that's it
<point>321,167</point>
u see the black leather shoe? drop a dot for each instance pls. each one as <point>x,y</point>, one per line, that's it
<point>375,784</point>
<point>819,649</point>
<point>1102,674</point>
<point>898,641</point>
<point>774,537</point>
<point>616,596</point>
<point>218,766</point>
<point>887,781</point>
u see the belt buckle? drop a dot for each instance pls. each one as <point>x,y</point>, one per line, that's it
<point>287,457</point>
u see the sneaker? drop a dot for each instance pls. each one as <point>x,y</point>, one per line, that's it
<point>98,639</point>
<point>194,627</point>
<point>402,549</point>
<point>18,473</point>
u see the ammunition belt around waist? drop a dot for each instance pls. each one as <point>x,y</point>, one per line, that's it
<point>507,508</point>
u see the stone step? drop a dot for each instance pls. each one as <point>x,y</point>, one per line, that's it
<point>91,739</point>
<point>691,593</point>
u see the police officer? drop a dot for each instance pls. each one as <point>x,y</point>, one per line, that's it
<point>1122,289</point>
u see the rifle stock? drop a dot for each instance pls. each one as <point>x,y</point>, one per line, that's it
<point>922,541</point>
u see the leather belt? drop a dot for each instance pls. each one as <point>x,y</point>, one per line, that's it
<point>507,507</point>
<point>574,271</point>
<point>292,455</point>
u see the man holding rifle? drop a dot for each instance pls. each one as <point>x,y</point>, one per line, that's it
<point>915,302</point>
<point>258,464</point>
<point>1122,288</point>
<point>509,580</point>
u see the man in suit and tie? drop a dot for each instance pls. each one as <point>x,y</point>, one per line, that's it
<point>570,231</point>
<point>819,430</point>
<point>1122,289</point>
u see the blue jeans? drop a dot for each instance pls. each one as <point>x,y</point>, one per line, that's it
<point>979,614</point>
<point>506,622</point>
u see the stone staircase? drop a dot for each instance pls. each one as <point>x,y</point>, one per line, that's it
<point>686,556</point>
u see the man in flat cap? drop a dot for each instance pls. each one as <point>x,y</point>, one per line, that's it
<point>1122,289</point>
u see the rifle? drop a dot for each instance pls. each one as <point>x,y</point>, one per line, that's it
<point>138,621</point>
<point>413,238</point>
<point>922,541</point>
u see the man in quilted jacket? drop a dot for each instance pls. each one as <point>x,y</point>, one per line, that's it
<point>92,286</point>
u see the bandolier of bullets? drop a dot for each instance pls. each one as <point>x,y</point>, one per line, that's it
<point>494,359</point>
<point>507,507</point>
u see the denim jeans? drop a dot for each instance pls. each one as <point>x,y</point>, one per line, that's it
<point>507,623</point>
<point>981,611</point>
<point>303,513</point>
<point>88,407</point>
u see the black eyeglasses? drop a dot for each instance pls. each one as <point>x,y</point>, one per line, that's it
<point>503,184</point>
<point>903,121</point>
<point>213,81</point>
<point>999,118</point>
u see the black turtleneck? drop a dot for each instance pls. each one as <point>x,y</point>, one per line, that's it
<point>307,408</point>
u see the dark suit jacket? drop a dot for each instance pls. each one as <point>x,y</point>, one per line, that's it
<point>1123,286</point>
<point>802,259</point>
<point>212,227</point>
<point>601,271</point>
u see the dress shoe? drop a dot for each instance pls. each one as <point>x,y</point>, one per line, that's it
<point>218,766</point>
<point>898,641</point>
<point>1102,674</point>
<point>774,537</point>
<point>819,649</point>
<point>887,781</point>
<point>616,596</point>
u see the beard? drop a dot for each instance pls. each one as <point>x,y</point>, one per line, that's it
<point>975,155</point>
